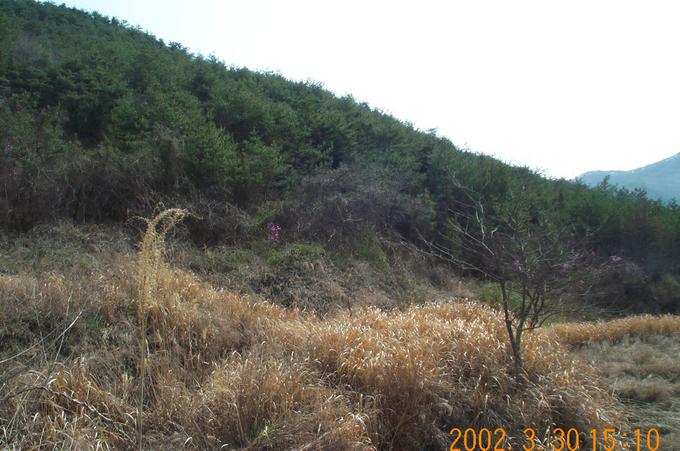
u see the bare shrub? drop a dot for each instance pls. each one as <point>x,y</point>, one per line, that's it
<point>335,206</point>
<point>89,187</point>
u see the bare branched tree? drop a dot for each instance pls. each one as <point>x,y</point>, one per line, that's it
<point>534,262</point>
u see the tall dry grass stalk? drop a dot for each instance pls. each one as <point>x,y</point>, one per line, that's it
<point>150,260</point>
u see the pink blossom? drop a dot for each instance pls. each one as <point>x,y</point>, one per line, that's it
<point>274,230</point>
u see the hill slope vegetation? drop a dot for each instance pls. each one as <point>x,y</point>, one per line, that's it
<point>312,302</point>
<point>100,122</point>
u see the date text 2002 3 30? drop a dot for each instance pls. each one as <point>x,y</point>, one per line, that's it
<point>559,439</point>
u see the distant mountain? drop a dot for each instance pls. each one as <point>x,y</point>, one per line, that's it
<point>661,180</point>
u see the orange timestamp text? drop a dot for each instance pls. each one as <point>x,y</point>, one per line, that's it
<point>556,439</point>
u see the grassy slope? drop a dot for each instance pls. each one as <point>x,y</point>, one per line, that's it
<point>637,358</point>
<point>645,373</point>
<point>226,368</point>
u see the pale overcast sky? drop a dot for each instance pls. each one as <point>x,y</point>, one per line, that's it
<point>563,87</point>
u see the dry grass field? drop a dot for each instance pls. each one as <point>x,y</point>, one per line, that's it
<point>227,370</point>
<point>638,358</point>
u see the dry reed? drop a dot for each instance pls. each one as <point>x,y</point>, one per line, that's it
<point>150,262</point>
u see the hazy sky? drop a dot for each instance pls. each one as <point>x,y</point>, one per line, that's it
<point>563,87</point>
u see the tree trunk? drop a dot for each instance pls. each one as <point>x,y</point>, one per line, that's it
<point>517,357</point>
<point>515,336</point>
<point>516,346</point>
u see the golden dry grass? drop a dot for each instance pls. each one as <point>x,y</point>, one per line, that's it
<point>617,329</point>
<point>227,370</point>
<point>644,371</point>
<point>637,358</point>
<point>149,264</point>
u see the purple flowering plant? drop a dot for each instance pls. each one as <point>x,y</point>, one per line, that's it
<point>274,231</point>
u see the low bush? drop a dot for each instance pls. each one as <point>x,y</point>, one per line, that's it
<point>294,255</point>
<point>337,205</point>
<point>366,246</point>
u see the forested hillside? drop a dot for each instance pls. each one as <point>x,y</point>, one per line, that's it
<point>314,274</point>
<point>100,122</point>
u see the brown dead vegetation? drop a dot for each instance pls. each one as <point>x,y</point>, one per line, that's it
<point>228,369</point>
